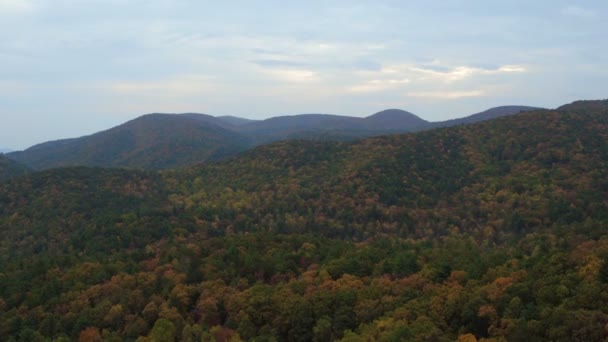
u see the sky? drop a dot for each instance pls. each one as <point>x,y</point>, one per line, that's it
<point>74,67</point>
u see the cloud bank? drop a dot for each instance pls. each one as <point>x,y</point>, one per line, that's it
<point>89,65</point>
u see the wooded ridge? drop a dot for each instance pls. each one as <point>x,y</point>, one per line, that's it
<point>492,231</point>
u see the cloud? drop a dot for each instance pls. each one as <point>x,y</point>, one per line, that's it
<point>576,11</point>
<point>15,6</point>
<point>278,63</point>
<point>510,68</point>
<point>184,85</point>
<point>8,87</point>
<point>447,95</point>
<point>113,56</point>
<point>463,72</point>
<point>293,75</point>
<point>377,85</point>
<point>444,73</point>
<point>433,75</point>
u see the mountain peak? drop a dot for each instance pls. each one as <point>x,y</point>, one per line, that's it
<point>151,141</point>
<point>392,112</point>
<point>395,119</point>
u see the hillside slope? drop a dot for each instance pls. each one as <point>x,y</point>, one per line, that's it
<point>161,141</point>
<point>492,230</point>
<point>154,141</point>
<point>488,114</point>
<point>428,169</point>
<point>331,127</point>
<point>10,169</point>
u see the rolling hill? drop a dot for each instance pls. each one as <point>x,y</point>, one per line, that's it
<point>489,114</point>
<point>494,230</point>
<point>235,120</point>
<point>10,168</point>
<point>161,141</point>
<point>394,120</point>
<point>331,127</point>
<point>153,141</point>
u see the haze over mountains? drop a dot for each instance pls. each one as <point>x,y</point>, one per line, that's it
<point>162,141</point>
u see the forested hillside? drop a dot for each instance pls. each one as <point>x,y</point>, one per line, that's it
<point>10,168</point>
<point>153,141</point>
<point>493,231</point>
<point>489,114</point>
<point>165,141</point>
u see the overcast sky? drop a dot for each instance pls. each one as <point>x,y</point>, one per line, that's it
<point>74,67</point>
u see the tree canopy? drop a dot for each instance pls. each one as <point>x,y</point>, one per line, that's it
<point>493,231</point>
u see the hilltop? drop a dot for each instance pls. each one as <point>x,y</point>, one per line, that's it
<point>153,141</point>
<point>162,141</point>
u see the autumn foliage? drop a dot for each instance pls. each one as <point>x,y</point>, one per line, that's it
<point>487,232</point>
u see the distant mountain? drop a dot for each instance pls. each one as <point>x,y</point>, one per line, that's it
<point>335,127</point>
<point>304,121</point>
<point>330,127</point>
<point>208,119</point>
<point>303,126</point>
<point>10,168</point>
<point>5,150</point>
<point>161,141</point>
<point>234,120</point>
<point>489,114</point>
<point>153,141</point>
<point>383,121</point>
<point>395,120</point>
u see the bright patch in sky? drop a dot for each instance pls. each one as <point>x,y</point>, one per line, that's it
<point>69,68</point>
<point>446,95</point>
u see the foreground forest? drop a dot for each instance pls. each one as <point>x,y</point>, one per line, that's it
<point>494,231</point>
<point>10,168</point>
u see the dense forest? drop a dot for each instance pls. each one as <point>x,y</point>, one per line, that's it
<point>10,168</point>
<point>487,232</point>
